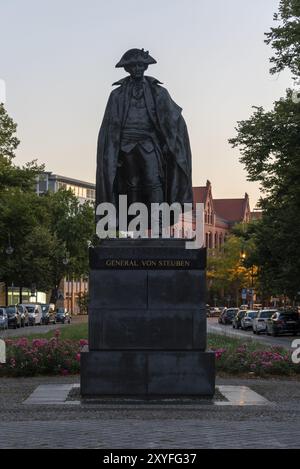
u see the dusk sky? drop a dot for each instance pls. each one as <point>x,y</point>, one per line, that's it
<point>58,61</point>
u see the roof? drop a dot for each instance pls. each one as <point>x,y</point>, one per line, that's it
<point>200,194</point>
<point>68,180</point>
<point>232,210</point>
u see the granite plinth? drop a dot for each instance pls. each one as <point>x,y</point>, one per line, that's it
<point>147,320</point>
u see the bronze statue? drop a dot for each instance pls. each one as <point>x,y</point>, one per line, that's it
<point>143,145</point>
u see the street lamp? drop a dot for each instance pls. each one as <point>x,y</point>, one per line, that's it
<point>9,251</point>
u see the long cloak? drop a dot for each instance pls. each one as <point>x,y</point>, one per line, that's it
<point>170,125</point>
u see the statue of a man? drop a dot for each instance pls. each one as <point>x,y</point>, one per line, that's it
<point>143,146</point>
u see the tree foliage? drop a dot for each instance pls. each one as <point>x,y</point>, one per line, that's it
<point>285,38</point>
<point>230,268</point>
<point>269,142</point>
<point>43,231</point>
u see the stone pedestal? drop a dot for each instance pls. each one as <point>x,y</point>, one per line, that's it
<point>147,321</point>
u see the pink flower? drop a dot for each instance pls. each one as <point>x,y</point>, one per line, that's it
<point>23,342</point>
<point>219,353</point>
<point>83,342</point>
<point>77,357</point>
<point>39,342</point>
<point>64,372</point>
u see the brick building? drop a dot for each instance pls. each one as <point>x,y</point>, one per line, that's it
<point>219,215</point>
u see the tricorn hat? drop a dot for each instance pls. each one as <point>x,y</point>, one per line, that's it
<point>136,55</point>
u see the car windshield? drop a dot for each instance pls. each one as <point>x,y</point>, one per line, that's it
<point>231,313</point>
<point>11,310</point>
<point>30,309</point>
<point>60,313</point>
<point>251,314</point>
<point>1,312</point>
<point>266,314</point>
<point>289,316</point>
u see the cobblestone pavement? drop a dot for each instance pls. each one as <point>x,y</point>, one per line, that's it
<point>214,327</point>
<point>148,426</point>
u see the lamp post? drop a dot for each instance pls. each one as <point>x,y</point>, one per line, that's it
<point>65,262</point>
<point>9,251</point>
<point>243,258</point>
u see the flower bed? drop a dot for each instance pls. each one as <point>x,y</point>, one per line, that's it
<point>243,359</point>
<point>42,356</point>
<point>53,356</point>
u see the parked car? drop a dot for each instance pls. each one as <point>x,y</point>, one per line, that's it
<point>247,320</point>
<point>237,320</point>
<point>283,322</point>
<point>214,312</point>
<point>3,318</point>
<point>62,316</point>
<point>34,313</point>
<point>228,315</point>
<point>48,314</point>
<point>24,315</point>
<point>260,322</point>
<point>13,316</point>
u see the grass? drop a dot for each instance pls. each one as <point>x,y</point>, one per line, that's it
<point>215,341</point>
<point>67,332</point>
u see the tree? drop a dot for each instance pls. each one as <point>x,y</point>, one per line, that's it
<point>269,143</point>
<point>73,226</point>
<point>82,301</point>
<point>8,140</point>
<point>227,271</point>
<point>43,230</point>
<point>285,38</point>
<point>270,147</point>
<point>13,176</point>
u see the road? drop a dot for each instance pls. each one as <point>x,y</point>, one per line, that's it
<point>25,331</point>
<point>214,327</point>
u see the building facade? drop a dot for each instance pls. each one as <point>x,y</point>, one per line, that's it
<point>84,191</point>
<point>220,215</point>
<point>71,289</point>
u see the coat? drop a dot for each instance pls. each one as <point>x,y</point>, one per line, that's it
<point>171,127</point>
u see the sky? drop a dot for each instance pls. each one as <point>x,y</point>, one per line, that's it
<point>58,62</point>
